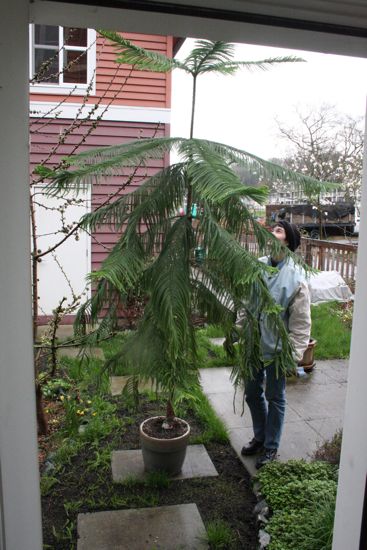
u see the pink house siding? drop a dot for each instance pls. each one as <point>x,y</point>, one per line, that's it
<point>106,133</point>
<point>118,86</point>
<point>134,88</point>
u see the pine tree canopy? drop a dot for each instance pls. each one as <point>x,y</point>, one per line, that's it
<point>155,255</point>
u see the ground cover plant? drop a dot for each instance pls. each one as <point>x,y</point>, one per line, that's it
<point>88,424</point>
<point>301,496</point>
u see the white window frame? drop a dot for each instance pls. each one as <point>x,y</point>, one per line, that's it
<point>62,87</point>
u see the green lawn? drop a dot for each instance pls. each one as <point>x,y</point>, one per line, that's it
<point>332,335</point>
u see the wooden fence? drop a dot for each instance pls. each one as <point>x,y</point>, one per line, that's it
<point>323,255</point>
<point>331,256</point>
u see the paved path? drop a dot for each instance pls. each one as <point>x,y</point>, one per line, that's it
<point>315,407</point>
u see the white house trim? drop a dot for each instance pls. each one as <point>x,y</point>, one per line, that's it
<point>116,113</point>
<point>19,493</point>
<point>20,504</point>
<point>233,30</point>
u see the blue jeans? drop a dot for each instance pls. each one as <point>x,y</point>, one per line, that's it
<point>267,408</point>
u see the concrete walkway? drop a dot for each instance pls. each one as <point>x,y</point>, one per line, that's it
<point>315,407</point>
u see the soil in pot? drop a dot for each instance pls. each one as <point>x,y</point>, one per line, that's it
<point>153,427</point>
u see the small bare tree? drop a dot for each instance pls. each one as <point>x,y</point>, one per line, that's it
<point>76,133</point>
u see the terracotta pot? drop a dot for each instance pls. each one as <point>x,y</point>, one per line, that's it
<point>163,455</point>
<point>307,361</point>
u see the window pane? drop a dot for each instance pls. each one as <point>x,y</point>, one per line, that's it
<point>75,67</point>
<point>46,65</point>
<point>46,35</point>
<point>75,37</point>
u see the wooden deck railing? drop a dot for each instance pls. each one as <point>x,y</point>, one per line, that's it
<point>331,256</point>
<point>323,255</point>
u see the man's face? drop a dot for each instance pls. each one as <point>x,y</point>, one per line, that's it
<point>279,232</point>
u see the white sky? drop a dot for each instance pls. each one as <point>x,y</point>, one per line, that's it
<point>240,110</point>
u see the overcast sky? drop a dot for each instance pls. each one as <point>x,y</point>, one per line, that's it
<point>241,110</point>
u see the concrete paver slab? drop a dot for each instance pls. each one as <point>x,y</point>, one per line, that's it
<point>127,464</point>
<point>216,380</point>
<point>177,527</point>
<point>315,407</point>
<point>216,341</point>
<point>299,440</point>
<point>336,369</point>
<point>316,402</point>
<point>326,427</point>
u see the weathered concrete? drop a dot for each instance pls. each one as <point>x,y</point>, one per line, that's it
<point>127,464</point>
<point>315,407</point>
<point>164,528</point>
<point>216,341</point>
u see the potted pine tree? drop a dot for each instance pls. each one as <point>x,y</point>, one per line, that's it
<point>156,250</point>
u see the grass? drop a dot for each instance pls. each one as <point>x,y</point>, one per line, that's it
<point>213,427</point>
<point>332,335</point>
<point>219,535</point>
<point>211,355</point>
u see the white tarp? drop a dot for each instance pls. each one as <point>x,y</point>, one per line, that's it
<point>328,285</point>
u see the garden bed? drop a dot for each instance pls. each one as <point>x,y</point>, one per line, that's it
<point>81,482</point>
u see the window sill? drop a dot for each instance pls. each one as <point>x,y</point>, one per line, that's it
<point>62,89</point>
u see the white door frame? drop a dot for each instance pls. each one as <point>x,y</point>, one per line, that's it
<point>19,484</point>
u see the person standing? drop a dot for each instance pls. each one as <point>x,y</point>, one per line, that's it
<point>265,392</point>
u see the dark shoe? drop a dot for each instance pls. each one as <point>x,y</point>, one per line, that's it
<point>269,456</point>
<point>252,448</point>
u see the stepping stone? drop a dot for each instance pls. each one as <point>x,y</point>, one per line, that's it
<point>78,353</point>
<point>129,464</point>
<point>177,527</point>
<point>118,383</point>
<point>216,341</point>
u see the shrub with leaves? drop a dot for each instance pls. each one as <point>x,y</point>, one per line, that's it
<point>302,497</point>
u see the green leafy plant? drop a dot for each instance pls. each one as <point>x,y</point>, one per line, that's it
<point>310,529</point>
<point>157,480</point>
<point>219,535</point>
<point>55,387</point>
<point>156,251</point>
<point>329,450</point>
<point>47,483</point>
<point>214,428</point>
<point>302,499</point>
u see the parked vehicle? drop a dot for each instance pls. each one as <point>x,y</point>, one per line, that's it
<point>331,219</point>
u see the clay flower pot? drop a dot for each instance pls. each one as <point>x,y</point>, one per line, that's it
<point>163,454</point>
<point>307,361</point>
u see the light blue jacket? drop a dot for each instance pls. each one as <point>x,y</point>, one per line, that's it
<point>283,285</point>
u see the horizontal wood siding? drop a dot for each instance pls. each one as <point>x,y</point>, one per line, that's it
<point>44,139</point>
<point>119,84</point>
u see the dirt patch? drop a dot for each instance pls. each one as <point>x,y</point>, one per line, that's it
<point>84,484</point>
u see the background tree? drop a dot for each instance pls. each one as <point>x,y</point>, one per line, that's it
<point>326,145</point>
